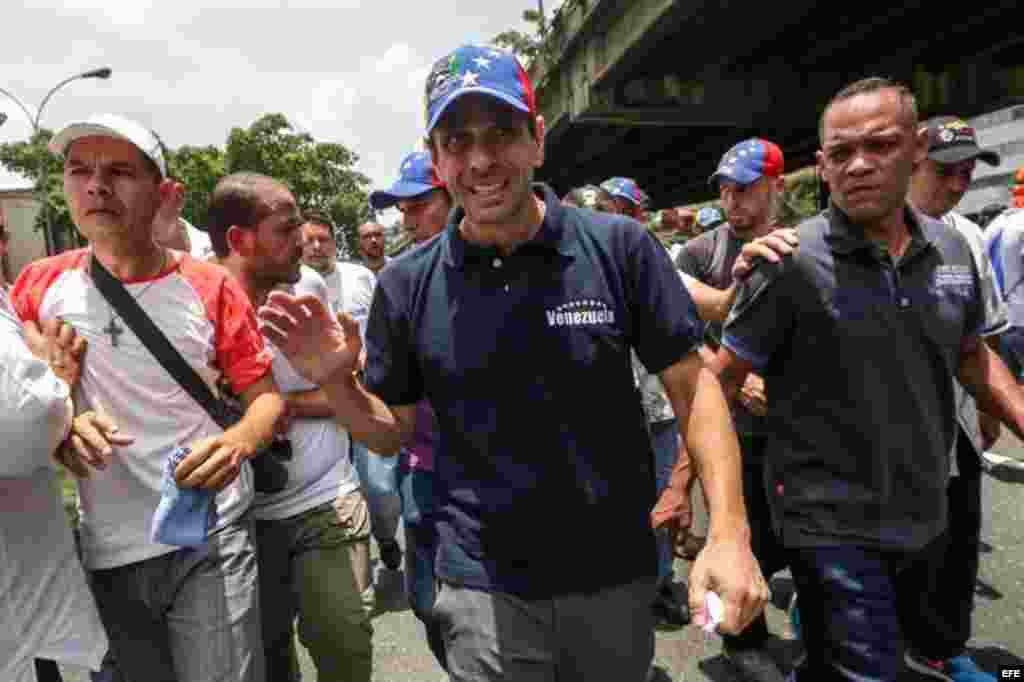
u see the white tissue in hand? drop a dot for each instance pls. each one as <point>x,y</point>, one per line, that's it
<point>713,607</point>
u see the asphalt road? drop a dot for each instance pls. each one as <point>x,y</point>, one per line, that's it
<point>687,655</point>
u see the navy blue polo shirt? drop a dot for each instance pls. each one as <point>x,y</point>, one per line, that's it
<point>859,353</point>
<point>543,453</point>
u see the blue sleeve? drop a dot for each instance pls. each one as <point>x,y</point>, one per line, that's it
<point>763,314</point>
<point>1010,347</point>
<point>392,368</point>
<point>665,325</point>
<point>995,256</point>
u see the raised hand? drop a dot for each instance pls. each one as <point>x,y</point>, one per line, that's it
<point>56,343</point>
<point>316,343</point>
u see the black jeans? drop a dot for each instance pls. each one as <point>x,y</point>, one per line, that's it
<point>852,600</point>
<point>939,624</point>
<point>764,542</point>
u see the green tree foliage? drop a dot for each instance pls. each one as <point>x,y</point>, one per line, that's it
<point>525,45</point>
<point>31,159</point>
<point>800,199</point>
<point>320,174</point>
<point>199,168</point>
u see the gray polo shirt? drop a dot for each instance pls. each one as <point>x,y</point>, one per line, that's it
<point>996,322</point>
<point>860,354</point>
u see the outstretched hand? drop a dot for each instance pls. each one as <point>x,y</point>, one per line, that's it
<point>318,344</point>
<point>56,343</point>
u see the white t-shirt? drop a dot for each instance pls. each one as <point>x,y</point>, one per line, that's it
<point>332,281</point>
<point>199,241</point>
<point>1004,242</point>
<point>996,322</point>
<point>350,290</point>
<point>46,608</point>
<point>320,469</point>
<point>207,317</point>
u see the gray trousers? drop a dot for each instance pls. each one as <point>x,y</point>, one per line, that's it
<point>492,637</point>
<point>189,616</point>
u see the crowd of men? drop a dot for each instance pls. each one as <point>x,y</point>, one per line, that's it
<point>534,389</point>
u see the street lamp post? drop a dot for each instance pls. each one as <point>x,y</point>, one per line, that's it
<point>44,203</point>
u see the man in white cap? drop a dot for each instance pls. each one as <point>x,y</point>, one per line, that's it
<point>187,614</point>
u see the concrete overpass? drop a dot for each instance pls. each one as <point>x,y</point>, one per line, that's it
<point>659,89</point>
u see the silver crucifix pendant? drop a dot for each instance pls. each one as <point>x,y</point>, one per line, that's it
<point>113,330</point>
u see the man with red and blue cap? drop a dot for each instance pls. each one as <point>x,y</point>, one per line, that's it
<point>628,197</point>
<point>750,186</point>
<point>534,486</point>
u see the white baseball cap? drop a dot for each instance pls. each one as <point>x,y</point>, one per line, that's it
<point>118,127</point>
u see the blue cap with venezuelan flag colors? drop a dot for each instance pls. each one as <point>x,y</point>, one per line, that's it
<point>750,160</point>
<point>473,69</point>
<point>627,189</point>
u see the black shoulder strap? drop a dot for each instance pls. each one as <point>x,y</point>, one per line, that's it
<point>721,248</point>
<point>156,342</point>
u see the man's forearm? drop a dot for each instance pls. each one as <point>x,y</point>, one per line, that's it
<point>713,304</point>
<point>309,404</point>
<point>710,438</point>
<point>368,419</point>
<point>256,428</point>
<point>993,387</point>
<point>712,443</point>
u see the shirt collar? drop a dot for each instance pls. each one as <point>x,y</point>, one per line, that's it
<point>555,234</point>
<point>844,236</point>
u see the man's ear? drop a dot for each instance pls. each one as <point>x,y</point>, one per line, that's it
<point>239,240</point>
<point>540,142</point>
<point>167,193</point>
<point>920,146</point>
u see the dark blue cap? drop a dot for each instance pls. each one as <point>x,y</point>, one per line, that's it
<point>416,176</point>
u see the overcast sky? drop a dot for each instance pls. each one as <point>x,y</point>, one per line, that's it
<point>345,71</point>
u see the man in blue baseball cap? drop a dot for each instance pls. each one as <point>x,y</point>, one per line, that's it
<point>420,196</point>
<point>709,218</point>
<point>424,202</point>
<point>533,485</point>
<point>628,197</point>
